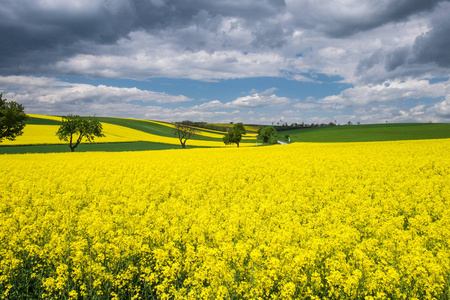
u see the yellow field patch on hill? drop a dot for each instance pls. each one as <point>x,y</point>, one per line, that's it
<point>116,133</point>
<point>54,118</point>
<point>36,134</point>
<point>202,131</point>
<point>46,134</point>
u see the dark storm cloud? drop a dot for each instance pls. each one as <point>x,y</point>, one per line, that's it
<point>36,33</point>
<point>428,54</point>
<point>160,13</point>
<point>433,46</point>
<point>338,19</point>
<point>391,11</point>
<point>91,37</point>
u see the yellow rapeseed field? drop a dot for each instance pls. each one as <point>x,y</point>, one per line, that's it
<point>46,134</point>
<point>303,221</point>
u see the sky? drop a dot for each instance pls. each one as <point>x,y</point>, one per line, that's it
<point>251,61</point>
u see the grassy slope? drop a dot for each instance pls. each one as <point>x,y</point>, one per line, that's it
<point>39,121</point>
<point>354,133</point>
<point>141,125</point>
<point>149,127</point>
<point>157,129</point>
<point>132,146</point>
<point>368,133</point>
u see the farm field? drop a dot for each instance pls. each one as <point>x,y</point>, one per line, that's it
<point>120,135</point>
<point>302,221</point>
<point>369,133</point>
<point>88,147</point>
<point>138,135</point>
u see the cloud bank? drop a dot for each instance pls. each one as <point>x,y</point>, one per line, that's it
<point>390,52</point>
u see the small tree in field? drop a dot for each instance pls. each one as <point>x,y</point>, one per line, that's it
<point>12,118</point>
<point>75,128</point>
<point>184,131</point>
<point>234,136</point>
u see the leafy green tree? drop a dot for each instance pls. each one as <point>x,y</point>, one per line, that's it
<point>286,137</point>
<point>234,136</point>
<point>184,131</point>
<point>74,129</point>
<point>268,135</point>
<point>12,118</point>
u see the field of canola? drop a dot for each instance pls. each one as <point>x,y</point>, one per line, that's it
<point>45,134</point>
<point>304,221</point>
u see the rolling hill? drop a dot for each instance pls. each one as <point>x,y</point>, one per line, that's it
<point>124,134</point>
<point>120,135</point>
<point>369,133</point>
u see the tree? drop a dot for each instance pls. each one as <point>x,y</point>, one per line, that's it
<point>234,136</point>
<point>268,135</point>
<point>12,118</point>
<point>286,137</point>
<point>74,129</point>
<point>184,131</point>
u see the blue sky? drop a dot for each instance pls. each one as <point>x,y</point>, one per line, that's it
<point>266,61</point>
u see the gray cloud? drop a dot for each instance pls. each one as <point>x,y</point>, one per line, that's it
<point>433,46</point>
<point>371,41</point>
<point>41,33</point>
<point>38,32</point>
<point>345,18</point>
<point>273,37</point>
<point>426,56</point>
<point>397,58</point>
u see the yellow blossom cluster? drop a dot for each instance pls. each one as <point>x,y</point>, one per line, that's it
<point>302,221</point>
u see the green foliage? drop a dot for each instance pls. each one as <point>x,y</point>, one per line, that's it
<point>234,136</point>
<point>74,129</point>
<point>268,135</point>
<point>12,118</point>
<point>273,140</point>
<point>184,131</point>
<point>286,137</point>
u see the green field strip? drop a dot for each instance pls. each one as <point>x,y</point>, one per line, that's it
<point>210,130</point>
<point>108,147</point>
<point>370,133</point>
<point>39,121</point>
<point>151,128</point>
<point>141,125</point>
